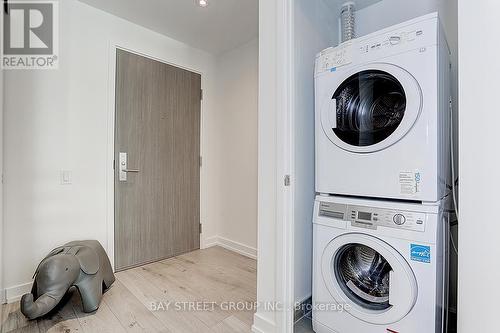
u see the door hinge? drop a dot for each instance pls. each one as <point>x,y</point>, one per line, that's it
<point>201,161</point>
<point>201,228</point>
<point>201,94</point>
<point>287,180</point>
<point>113,164</point>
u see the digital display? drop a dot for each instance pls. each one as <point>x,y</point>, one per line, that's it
<point>365,216</point>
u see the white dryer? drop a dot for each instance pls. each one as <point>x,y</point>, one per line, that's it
<point>379,266</point>
<point>382,114</point>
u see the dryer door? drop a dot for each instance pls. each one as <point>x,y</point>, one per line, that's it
<point>371,108</point>
<point>370,276</point>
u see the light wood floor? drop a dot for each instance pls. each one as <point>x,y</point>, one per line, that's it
<point>132,303</point>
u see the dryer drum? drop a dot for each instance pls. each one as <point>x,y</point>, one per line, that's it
<point>363,275</point>
<point>370,106</point>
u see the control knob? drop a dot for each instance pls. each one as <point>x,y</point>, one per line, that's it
<point>399,219</point>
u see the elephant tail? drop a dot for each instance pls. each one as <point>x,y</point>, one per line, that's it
<point>41,306</point>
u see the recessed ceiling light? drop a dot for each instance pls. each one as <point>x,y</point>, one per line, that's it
<point>202,3</point>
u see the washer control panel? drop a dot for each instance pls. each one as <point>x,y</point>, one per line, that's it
<point>371,218</point>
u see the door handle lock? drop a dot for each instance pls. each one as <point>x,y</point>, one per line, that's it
<point>130,170</point>
<point>122,175</point>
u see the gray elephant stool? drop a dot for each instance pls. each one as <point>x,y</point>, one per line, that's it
<point>83,264</point>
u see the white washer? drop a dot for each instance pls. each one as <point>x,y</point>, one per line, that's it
<point>382,114</point>
<point>378,266</point>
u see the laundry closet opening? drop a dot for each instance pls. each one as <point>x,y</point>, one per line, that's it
<point>371,126</point>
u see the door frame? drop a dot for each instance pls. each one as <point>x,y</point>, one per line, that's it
<point>275,264</point>
<point>110,146</point>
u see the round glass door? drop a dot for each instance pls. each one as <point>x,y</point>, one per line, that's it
<point>370,106</point>
<point>363,275</point>
<point>369,275</point>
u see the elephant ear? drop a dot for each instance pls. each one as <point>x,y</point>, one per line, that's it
<point>88,259</point>
<point>52,253</point>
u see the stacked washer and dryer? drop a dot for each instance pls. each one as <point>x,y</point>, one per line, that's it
<point>382,181</point>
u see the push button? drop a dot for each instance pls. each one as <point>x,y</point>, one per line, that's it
<point>394,40</point>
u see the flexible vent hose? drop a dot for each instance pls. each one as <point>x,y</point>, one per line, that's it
<point>348,21</point>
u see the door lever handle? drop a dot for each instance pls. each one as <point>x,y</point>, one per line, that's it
<point>123,167</point>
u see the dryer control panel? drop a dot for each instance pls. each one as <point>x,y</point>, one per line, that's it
<point>390,40</point>
<point>372,218</point>
<point>412,36</point>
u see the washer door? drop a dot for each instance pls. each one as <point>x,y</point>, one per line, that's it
<point>370,276</point>
<point>372,108</point>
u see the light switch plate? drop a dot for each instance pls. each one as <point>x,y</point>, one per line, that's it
<point>66,177</point>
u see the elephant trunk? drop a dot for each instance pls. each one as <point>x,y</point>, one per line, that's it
<point>41,306</point>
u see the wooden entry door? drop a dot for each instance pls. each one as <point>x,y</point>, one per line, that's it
<point>157,126</point>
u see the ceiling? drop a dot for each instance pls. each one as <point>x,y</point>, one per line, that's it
<point>220,27</point>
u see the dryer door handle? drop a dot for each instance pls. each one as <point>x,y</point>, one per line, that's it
<point>332,112</point>
<point>394,289</point>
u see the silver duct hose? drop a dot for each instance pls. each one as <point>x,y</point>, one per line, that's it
<point>348,21</point>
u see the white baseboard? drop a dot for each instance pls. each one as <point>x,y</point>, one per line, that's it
<point>230,245</point>
<point>237,247</point>
<point>14,294</point>
<point>209,242</point>
<point>262,325</point>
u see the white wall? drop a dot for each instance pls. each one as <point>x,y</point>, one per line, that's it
<point>314,30</point>
<point>58,120</point>
<point>389,12</point>
<point>234,158</point>
<point>479,231</point>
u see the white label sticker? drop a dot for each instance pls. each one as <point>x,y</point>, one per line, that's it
<point>409,182</point>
